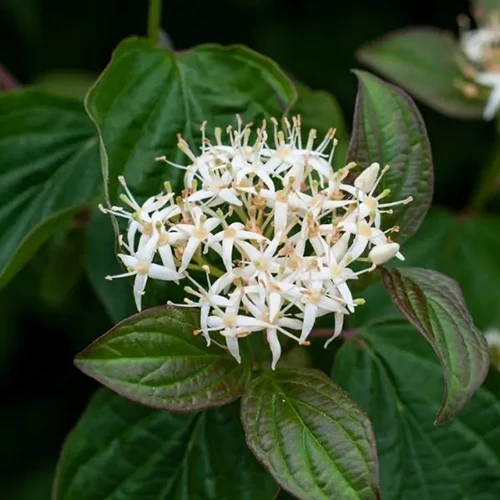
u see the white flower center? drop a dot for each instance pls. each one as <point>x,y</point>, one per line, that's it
<point>142,267</point>
<point>230,232</point>
<point>200,233</point>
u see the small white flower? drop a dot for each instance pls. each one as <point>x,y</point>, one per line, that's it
<point>337,275</point>
<point>272,293</point>
<point>232,325</point>
<point>208,299</point>
<point>217,189</point>
<point>260,261</point>
<point>257,169</point>
<point>141,266</point>
<point>364,234</point>
<point>315,298</point>
<point>140,220</point>
<point>166,241</point>
<point>261,314</point>
<point>234,233</point>
<point>370,206</point>
<point>198,232</point>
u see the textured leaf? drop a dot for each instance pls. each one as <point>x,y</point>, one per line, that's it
<point>310,436</point>
<point>424,61</point>
<point>148,95</point>
<point>49,168</point>
<point>467,249</point>
<point>434,304</point>
<point>153,358</point>
<point>389,129</point>
<point>395,377</point>
<point>464,248</point>
<point>320,110</point>
<point>120,450</point>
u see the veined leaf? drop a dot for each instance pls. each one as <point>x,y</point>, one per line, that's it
<point>147,96</point>
<point>49,169</point>
<point>395,377</point>
<point>466,249</point>
<point>155,359</point>
<point>424,61</point>
<point>389,129</point>
<point>310,435</point>
<point>434,304</point>
<point>122,450</point>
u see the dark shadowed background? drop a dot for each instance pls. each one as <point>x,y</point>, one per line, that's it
<point>63,45</point>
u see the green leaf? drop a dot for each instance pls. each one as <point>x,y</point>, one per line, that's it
<point>434,304</point>
<point>394,376</point>
<point>389,129</point>
<point>120,450</point>
<point>320,110</point>
<point>463,247</point>
<point>100,261</point>
<point>424,61</point>
<point>49,169</point>
<point>467,249</point>
<point>155,359</point>
<point>310,435</point>
<point>148,95</point>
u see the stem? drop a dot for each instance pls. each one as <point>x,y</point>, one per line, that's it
<point>241,214</point>
<point>195,267</point>
<point>154,21</point>
<point>214,271</point>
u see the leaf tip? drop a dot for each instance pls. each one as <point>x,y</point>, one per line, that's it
<point>442,417</point>
<point>80,362</point>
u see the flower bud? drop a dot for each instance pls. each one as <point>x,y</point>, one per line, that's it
<point>382,253</point>
<point>366,179</point>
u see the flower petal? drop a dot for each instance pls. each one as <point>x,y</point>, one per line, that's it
<point>233,347</point>
<point>310,311</point>
<point>139,287</point>
<point>163,273</point>
<point>274,344</point>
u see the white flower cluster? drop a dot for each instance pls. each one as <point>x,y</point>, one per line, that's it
<point>273,224</point>
<point>481,47</point>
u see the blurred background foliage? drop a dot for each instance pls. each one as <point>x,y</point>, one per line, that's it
<point>61,46</point>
